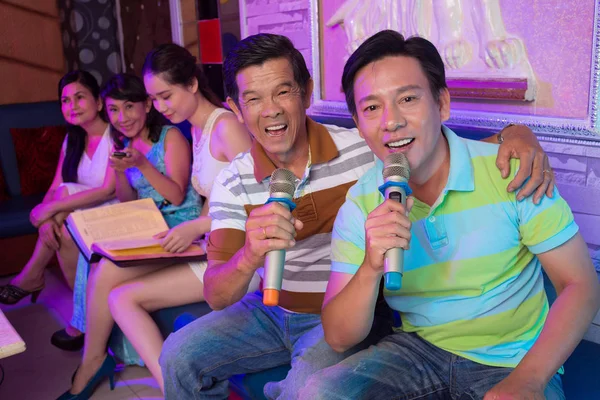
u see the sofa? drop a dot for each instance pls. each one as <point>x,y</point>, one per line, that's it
<point>30,139</point>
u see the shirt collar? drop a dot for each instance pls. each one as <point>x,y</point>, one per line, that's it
<point>322,149</point>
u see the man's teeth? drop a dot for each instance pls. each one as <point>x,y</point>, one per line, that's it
<point>275,128</point>
<point>400,143</point>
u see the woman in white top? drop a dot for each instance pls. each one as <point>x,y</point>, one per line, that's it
<point>179,91</point>
<point>78,183</point>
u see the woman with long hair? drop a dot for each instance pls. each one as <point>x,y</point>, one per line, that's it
<point>78,183</point>
<point>156,165</point>
<point>180,91</point>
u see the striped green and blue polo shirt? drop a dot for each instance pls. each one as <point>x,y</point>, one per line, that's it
<point>472,284</point>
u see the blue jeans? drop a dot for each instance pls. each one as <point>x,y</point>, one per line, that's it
<point>404,366</point>
<point>246,337</point>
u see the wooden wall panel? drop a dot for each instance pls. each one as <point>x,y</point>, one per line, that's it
<point>23,84</point>
<point>31,52</point>
<point>40,6</point>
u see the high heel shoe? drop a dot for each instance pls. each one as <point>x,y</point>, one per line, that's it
<point>64,341</point>
<point>11,294</point>
<point>107,369</point>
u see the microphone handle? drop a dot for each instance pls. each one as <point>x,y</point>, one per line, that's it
<point>393,263</point>
<point>274,262</point>
<point>273,276</point>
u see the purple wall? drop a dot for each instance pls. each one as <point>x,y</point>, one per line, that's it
<point>562,65</point>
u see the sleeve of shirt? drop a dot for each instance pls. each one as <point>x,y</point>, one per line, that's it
<point>547,225</point>
<point>348,239</point>
<point>228,217</point>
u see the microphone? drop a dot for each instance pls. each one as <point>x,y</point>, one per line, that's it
<point>281,190</point>
<point>396,173</point>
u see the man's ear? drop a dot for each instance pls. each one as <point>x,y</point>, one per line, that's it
<point>99,105</point>
<point>355,119</point>
<point>235,109</point>
<point>444,104</point>
<point>308,93</point>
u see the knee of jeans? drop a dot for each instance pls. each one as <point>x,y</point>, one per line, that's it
<point>171,355</point>
<point>314,388</point>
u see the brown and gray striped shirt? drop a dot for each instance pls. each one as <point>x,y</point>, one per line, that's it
<point>338,158</point>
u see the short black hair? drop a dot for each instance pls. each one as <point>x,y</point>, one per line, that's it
<point>129,87</point>
<point>256,50</point>
<point>391,43</point>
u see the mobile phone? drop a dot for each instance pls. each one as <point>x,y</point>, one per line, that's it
<point>119,154</point>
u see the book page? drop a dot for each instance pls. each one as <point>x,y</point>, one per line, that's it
<point>133,220</point>
<point>10,341</point>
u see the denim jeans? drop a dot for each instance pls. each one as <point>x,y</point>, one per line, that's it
<point>246,337</point>
<point>404,366</point>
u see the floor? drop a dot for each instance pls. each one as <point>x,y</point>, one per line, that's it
<point>44,372</point>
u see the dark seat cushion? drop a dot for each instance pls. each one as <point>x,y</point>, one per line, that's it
<point>29,115</point>
<point>37,151</point>
<point>14,215</point>
<point>580,380</point>
<point>167,318</point>
<point>3,186</point>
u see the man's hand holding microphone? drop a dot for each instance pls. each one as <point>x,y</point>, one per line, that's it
<point>270,230</point>
<point>387,228</point>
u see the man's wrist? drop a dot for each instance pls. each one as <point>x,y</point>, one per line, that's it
<point>369,273</point>
<point>244,264</point>
<point>526,372</point>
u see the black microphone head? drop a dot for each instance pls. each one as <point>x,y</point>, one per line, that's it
<point>283,183</point>
<point>395,166</point>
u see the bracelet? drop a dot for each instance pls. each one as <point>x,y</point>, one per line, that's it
<point>499,135</point>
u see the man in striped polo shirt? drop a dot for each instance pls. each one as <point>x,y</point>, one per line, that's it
<point>270,89</point>
<point>475,318</point>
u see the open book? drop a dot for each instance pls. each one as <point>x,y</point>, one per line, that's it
<point>10,341</point>
<point>123,233</point>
